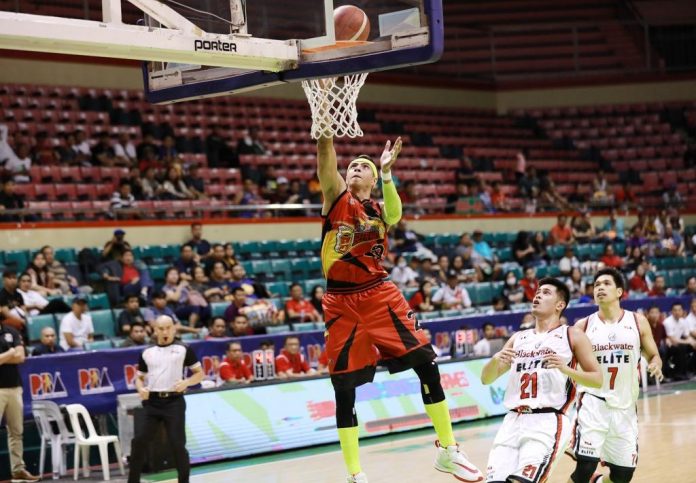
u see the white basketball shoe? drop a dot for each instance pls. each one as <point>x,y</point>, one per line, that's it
<point>451,460</point>
<point>358,478</point>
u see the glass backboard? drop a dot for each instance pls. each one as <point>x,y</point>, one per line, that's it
<point>402,33</point>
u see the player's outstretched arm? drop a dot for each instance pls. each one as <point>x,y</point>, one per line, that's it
<point>499,363</point>
<point>331,182</point>
<point>591,374</point>
<point>649,348</point>
<point>392,202</point>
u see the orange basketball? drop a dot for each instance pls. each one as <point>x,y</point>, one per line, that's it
<point>351,23</point>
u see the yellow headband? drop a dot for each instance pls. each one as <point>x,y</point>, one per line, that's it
<point>369,163</point>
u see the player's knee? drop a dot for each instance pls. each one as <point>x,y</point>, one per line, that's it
<point>431,388</point>
<point>584,469</point>
<point>620,474</point>
<point>345,408</point>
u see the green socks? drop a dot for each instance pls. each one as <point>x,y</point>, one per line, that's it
<point>440,416</point>
<point>349,446</point>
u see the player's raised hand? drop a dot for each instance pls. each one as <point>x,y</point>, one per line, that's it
<point>389,155</point>
<point>655,370</point>
<point>505,356</point>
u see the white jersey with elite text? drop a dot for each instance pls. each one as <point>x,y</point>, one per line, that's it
<point>531,386</point>
<point>617,348</point>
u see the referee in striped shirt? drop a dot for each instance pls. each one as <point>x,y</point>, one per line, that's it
<point>163,396</point>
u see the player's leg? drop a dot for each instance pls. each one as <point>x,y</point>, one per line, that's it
<point>591,429</point>
<point>503,457</point>
<point>348,431</point>
<point>620,451</point>
<point>541,441</point>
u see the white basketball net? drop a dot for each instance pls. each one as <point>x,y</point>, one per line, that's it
<point>332,101</point>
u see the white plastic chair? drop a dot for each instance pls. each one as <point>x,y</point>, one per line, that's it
<point>45,413</point>
<point>83,443</point>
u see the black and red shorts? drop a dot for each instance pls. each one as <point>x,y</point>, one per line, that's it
<point>371,326</point>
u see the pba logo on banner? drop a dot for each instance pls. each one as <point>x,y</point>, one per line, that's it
<point>130,372</point>
<point>94,381</point>
<point>47,386</point>
<point>210,366</point>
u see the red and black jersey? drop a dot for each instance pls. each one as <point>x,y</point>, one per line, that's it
<point>354,243</point>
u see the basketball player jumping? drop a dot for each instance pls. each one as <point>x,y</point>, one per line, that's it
<point>541,388</point>
<point>606,424</point>
<point>367,317</point>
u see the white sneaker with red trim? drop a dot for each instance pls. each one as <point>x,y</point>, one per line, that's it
<point>451,460</point>
<point>358,478</point>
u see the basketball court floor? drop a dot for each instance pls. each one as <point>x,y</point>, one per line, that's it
<point>667,442</point>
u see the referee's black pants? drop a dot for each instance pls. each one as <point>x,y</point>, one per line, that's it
<point>171,411</point>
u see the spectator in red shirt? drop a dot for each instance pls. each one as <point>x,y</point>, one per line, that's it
<point>659,287</point>
<point>239,327</point>
<point>610,258</point>
<point>291,363</point>
<point>218,329</point>
<point>638,282</point>
<point>561,233</point>
<point>529,283</point>
<point>233,369</point>
<point>298,308</point>
<point>421,301</point>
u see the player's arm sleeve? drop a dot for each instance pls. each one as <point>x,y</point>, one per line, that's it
<point>190,359</point>
<point>392,203</point>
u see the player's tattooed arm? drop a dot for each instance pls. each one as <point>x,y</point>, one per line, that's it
<point>649,348</point>
<point>332,184</point>
<point>499,363</point>
<point>591,374</point>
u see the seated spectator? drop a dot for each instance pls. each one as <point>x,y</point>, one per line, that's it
<point>465,271</point>
<point>217,254</point>
<point>35,303</point>
<point>250,196</point>
<point>9,200</point>
<point>561,233</point>
<point>177,293</point>
<point>218,280</point>
<point>19,165</point>
<point>41,279</point>
<point>102,152</point>
<point>10,301</point>
<point>690,289</point>
<point>583,230</point>
<point>290,363</point>
<point>403,275</point>
<point>639,282</point>
<point>239,327</point>
<point>672,243</point>
<point>217,329</point>
<point>126,278</point>
<point>239,302</point>
<point>124,151</point>
<point>217,149</point>
<point>452,295</point>
<point>406,240</point>
<point>81,148</point>
<point>137,336</point>
<point>174,187</point>
<point>498,304</point>
<point>194,182</point>
<point>114,248</point>
<point>428,272</point>
<point>466,172</point>
<point>568,262</point>
<point>130,315</point>
<point>299,309</point>
<point>123,198</point>
<point>159,307</point>
<point>252,288</point>
<point>540,252</point>
<point>691,318</point>
<point>634,259</point>
<point>499,198</point>
<point>522,249</point>
<point>613,229</point>
<point>636,240</point>
<point>484,259</point>
<point>624,195</point>
<point>200,284</point>
<point>167,150</point>
<point>549,195</point>
<point>485,197</point>
<point>230,257</point>
<point>421,301</point>
<point>679,340</point>
<point>316,297</point>
<point>63,281</point>
<point>250,143</point>
<point>48,343</point>
<point>601,190</point>
<point>588,296</point>
<point>513,292</point>
<point>528,322</point>
<point>186,262</point>
<point>233,369</point>
<point>610,258</point>
<point>150,184</point>
<point>490,344</point>
<point>529,283</point>
<point>76,327</point>
<point>442,269</point>
<point>148,161</point>
<point>199,244</point>
<point>659,288</point>
<point>576,287</point>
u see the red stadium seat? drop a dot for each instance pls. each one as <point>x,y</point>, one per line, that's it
<point>45,192</point>
<point>66,192</point>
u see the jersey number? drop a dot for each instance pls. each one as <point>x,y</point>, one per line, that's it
<point>614,371</point>
<point>524,389</point>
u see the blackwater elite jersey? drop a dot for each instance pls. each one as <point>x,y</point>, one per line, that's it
<point>531,386</point>
<point>617,348</point>
<point>354,243</point>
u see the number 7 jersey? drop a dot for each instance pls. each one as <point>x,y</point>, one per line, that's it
<point>530,385</point>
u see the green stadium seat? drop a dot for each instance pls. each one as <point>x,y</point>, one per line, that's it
<point>269,248</point>
<point>309,284</point>
<point>303,326</point>
<point>451,313</point>
<point>189,336</point>
<point>262,269</point>
<point>103,321</point>
<point>279,288</point>
<point>497,288</point>
<point>596,251</point>
<point>98,345</point>
<point>253,249</point>
<point>281,268</point>
<point>556,252</point>
<point>65,255</point>
<point>435,314</point>
<point>286,248</point>
<point>541,272</point>
<point>157,272</point>
<point>408,292</point>
<point>17,260</point>
<point>505,254</point>
<point>469,311</point>
<point>298,268</point>
<point>138,252</point>
<point>36,323</point>
<point>153,254</point>
<point>98,301</point>
<point>218,308</point>
<point>676,279</point>
<point>314,267</point>
<point>583,252</point>
<point>277,329</point>
<point>170,253</point>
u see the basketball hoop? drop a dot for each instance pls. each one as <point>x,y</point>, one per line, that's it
<point>332,101</point>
